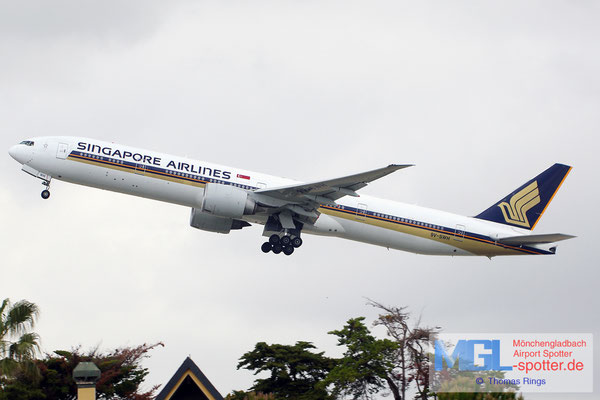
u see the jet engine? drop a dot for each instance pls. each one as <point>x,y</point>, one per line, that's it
<point>221,209</point>
<point>227,201</point>
<point>211,223</point>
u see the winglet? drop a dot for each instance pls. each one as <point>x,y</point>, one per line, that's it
<point>400,166</point>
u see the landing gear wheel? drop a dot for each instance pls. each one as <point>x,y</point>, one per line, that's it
<point>45,194</point>
<point>277,248</point>
<point>266,247</point>
<point>296,242</point>
<point>288,250</point>
<point>274,238</point>
<point>285,241</point>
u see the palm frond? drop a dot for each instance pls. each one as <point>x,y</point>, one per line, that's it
<point>5,303</point>
<point>3,329</point>
<point>25,348</point>
<point>21,316</point>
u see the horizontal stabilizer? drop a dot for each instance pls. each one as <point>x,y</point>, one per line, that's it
<point>534,239</point>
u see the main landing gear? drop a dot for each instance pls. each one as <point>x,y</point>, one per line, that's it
<point>278,244</point>
<point>46,192</point>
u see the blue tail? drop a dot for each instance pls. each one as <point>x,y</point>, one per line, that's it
<point>524,207</point>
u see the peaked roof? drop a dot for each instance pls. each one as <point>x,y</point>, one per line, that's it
<point>192,381</point>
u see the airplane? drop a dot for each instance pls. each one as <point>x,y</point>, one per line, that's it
<point>224,198</point>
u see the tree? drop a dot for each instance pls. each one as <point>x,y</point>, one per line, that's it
<point>18,346</point>
<point>367,365</point>
<point>241,395</point>
<point>121,376</point>
<point>400,364</point>
<point>412,360</point>
<point>294,370</point>
<point>454,384</point>
<point>371,365</point>
<point>479,396</point>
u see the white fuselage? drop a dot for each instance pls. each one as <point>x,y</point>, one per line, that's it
<point>181,181</point>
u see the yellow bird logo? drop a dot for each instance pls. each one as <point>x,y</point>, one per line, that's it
<point>515,212</point>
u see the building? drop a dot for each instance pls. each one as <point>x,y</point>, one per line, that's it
<point>189,383</point>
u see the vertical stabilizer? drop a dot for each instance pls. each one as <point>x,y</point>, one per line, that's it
<point>524,207</point>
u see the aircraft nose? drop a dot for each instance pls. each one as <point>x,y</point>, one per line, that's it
<point>13,151</point>
<point>17,152</point>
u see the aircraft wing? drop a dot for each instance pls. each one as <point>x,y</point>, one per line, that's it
<point>534,239</point>
<point>329,190</point>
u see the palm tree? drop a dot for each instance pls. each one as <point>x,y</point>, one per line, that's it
<point>18,346</point>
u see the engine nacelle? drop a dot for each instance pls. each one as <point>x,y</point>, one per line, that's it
<point>211,223</point>
<point>227,201</point>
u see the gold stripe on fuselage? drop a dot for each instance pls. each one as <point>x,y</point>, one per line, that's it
<point>473,245</point>
<point>468,243</point>
<point>145,172</point>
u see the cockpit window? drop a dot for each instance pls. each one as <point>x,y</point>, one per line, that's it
<point>27,142</point>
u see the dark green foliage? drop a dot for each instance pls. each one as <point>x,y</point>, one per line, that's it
<point>479,396</point>
<point>18,346</point>
<point>294,370</point>
<point>241,395</point>
<point>455,385</point>
<point>367,364</point>
<point>121,377</point>
<point>21,391</point>
<point>398,365</point>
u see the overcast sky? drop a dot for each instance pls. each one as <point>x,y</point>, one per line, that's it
<point>481,96</point>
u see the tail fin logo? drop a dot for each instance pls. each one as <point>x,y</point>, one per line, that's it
<point>515,212</point>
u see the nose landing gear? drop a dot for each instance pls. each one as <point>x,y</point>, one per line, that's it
<point>46,192</point>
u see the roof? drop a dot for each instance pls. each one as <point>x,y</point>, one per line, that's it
<point>189,383</point>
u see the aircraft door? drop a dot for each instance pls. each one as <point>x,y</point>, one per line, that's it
<point>140,169</point>
<point>62,151</point>
<point>459,233</point>
<point>361,212</point>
